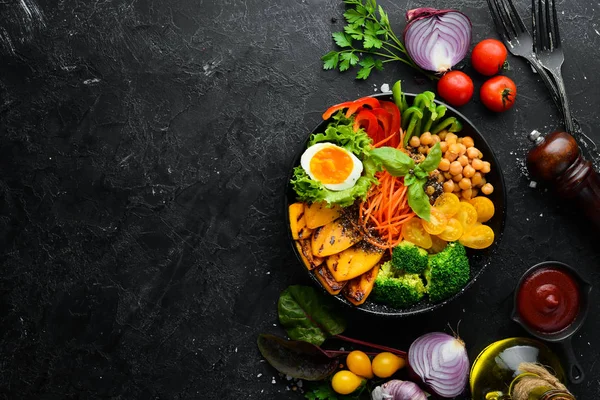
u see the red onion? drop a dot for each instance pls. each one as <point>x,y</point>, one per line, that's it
<point>437,40</point>
<point>442,363</point>
<point>398,390</point>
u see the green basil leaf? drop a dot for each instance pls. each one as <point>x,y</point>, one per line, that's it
<point>300,360</point>
<point>418,200</point>
<point>308,315</point>
<point>420,173</point>
<point>432,160</point>
<point>409,179</point>
<point>396,162</point>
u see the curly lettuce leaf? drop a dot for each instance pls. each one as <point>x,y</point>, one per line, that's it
<point>341,132</point>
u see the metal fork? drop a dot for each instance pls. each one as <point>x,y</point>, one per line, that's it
<point>517,39</point>
<point>547,47</point>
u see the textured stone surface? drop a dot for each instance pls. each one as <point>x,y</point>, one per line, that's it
<point>144,149</point>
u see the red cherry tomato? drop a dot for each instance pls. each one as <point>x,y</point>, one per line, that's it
<point>456,88</point>
<point>498,93</point>
<point>488,57</point>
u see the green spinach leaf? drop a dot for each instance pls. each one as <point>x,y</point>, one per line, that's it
<point>300,360</point>
<point>308,315</point>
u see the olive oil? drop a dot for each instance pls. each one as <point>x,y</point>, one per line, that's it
<point>496,367</point>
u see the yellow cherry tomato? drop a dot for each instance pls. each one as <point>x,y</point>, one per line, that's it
<point>448,204</point>
<point>345,382</point>
<point>386,364</point>
<point>437,244</point>
<point>412,230</point>
<point>359,363</point>
<point>437,222</point>
<point>477,236</point>
<point>485,208</point>
<point>467,214</point>
<point>453,231</point>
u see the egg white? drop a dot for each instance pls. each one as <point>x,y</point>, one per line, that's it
<point>350,181</point>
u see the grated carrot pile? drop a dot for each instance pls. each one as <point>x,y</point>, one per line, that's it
<point>386,209</point>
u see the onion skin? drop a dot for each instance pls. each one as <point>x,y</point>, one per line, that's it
<point>398,390</point>
<point>442,363</point>
<point>437,40</point>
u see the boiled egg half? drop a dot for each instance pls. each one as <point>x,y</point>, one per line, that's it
<point>335,167</point>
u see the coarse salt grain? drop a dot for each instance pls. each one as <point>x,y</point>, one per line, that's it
<point>385,87</point>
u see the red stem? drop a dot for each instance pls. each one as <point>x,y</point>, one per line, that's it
<point>399,353</point>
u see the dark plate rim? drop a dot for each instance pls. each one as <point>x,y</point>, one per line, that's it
<point>428,306</point>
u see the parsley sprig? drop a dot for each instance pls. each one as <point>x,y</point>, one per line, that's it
<point>367,41</point>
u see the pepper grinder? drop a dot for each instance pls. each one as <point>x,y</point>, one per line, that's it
<point>557,161</point>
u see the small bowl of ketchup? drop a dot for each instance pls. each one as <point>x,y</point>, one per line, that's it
<point>551,303</point>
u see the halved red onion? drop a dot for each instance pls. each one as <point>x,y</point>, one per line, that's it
<point>398,390</point>
<point>442,363</point>
<point>437,40</point>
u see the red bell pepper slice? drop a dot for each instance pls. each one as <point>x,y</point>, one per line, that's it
<point>352,106</point>
<point>366,119</point>
<point>392,108</point>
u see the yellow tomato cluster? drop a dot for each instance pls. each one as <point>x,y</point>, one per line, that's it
<point>361,368</point>
<point>453,219</point>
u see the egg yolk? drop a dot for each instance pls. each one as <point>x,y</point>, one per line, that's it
<point>331,165</point>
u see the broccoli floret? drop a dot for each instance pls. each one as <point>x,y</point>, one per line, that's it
<point>447,272</point>
<point>396,288</point>
<point>409,257</point>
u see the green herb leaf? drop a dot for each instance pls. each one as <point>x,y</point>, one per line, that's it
<point>300,360</point>
<point>354,32</point>
<point>420,173</point>
<point>433,159</point>
<point>344,65</point>
<point>350,57</point>
<point>308,315</point>
<point>383,17</point>
<point>330,60</point>
<point>370,42</point>
<point>355,16</point>
<point>367,64</point>
<point>341,39</point>
<point>409,179</point>
<point>418,199</point>
<point>396,162</point>
<point>363,73</point>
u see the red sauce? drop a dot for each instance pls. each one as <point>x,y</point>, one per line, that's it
<point>548,300</point>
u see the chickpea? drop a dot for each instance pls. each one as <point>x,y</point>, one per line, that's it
<point>451,137</point>
<point>463,160</point>
<point>414,142</point>
<point>450,155</point>
<point>472,152</point>
<point>444,165</point>
<point>457,178</point>
<point>423,149</point>
<point>430,190</point>
<point>479,154</point>
<point>476,178</point>
<point>436,139</point>
<point>462,149</point>
<point>487,188</point>
<point>486,167</point>
<point>467,194</point>
<point>477,164</point>
<point>468,141</point>
<point>455,168</point>
<point>443,134</point>
<point>440,178</point>
<point>443,147</point>
<point>447,175</point>
<point>474,192</point>
<point>468,171</point>
<point>483,182</point>
<point>456,188</point>
<point>426,139</point>
<point>465,183</point>
<point>448,186</point>
<point>454,148</point>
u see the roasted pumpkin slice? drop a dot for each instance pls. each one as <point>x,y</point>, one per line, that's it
<point>298,222</point>
<point>358,289</point>
<point>329,283</point>
<point>304,248</point>
<point>354,261</point>
<point>333,238</point>
<point>319,214</point>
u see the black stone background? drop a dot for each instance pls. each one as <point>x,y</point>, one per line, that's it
<point>144,149</point>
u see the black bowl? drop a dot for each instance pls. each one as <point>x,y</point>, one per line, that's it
<point>479,259</point>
